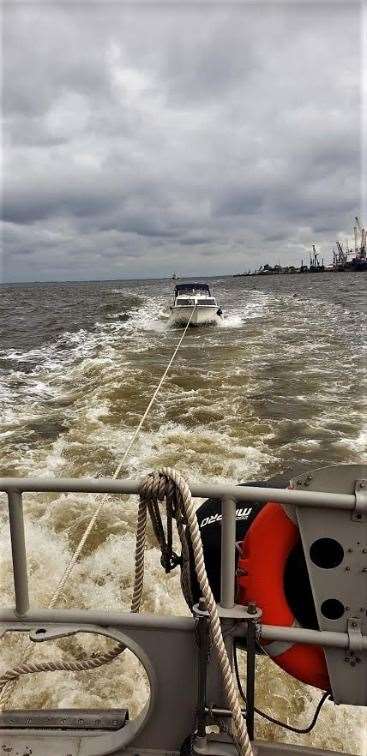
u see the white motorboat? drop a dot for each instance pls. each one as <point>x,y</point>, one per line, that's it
<point>194,300</point>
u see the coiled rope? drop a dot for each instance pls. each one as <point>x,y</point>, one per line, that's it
<point>6,691</point>
<point>169,486</point>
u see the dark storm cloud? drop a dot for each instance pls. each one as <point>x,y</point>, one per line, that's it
<point>208,138</point>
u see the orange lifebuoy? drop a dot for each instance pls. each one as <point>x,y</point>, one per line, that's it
<point>264,553</point>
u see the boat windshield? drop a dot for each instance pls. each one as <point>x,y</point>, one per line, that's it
<point>206,301</point>
<point>192,288</point>
<point>183,301</point>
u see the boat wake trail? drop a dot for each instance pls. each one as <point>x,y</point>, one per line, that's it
<point>279,384</point>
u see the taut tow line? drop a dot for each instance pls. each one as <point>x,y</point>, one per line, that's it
<point>116,474</point>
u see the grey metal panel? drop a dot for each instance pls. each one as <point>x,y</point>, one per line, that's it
<point>346,582</point>
<point>169,656</point>
<point>42,744</point>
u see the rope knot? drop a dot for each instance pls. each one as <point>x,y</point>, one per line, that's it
<point>156,486</point>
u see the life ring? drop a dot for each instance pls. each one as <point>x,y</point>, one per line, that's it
<point>260,577</point>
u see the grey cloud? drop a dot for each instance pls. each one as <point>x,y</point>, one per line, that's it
<point>19,251</point>
<point>195,240</point>
<point>239,201</point>
<point>143,139</point>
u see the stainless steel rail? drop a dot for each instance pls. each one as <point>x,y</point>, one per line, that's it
<point>228,494</point>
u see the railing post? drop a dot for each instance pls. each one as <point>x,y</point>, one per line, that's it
<point>18,548</point>
<point>228,555</point>
<point>203,654</point>
<point>250,677</point>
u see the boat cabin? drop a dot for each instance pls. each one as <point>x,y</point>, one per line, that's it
<point>189,293</point>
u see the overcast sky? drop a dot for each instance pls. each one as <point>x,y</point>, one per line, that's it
<point>145,139</point>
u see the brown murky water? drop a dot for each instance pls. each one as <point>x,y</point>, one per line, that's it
<point>280,384</point>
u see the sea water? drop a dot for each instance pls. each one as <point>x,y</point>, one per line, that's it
<point>279,386</point>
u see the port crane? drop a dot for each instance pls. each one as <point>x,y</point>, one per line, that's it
<point>359,230</point>
<point>314,260</point>
<point>341,256</point>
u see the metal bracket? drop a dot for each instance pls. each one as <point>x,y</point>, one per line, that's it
<point>359,513</point>
<point>237,612</point>
<point>355,638</point>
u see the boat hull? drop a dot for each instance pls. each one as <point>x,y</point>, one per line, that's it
<point>203,315</point>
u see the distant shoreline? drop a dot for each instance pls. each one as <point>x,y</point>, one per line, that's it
<point>168,278</point>
<point>267,274</point>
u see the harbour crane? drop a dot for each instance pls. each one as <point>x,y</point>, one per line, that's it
<point>347,258</point>
<point>361,252</point>
<point>358,224</point>
<point>355,230</point>
<point>363,244</point>
<point>342,256</point>
<point>315,258</point>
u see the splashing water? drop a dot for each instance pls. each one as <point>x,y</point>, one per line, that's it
<point>279,384</point>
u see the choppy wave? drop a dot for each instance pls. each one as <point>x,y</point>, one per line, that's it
<point>280,383</point>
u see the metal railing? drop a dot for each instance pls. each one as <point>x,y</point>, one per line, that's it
<point>230,495</point>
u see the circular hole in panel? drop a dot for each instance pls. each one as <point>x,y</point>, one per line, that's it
<point>332,609</point>
<point>326,553</point>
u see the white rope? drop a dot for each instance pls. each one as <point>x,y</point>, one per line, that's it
<point>157,487</point>
<point>9,687</point>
